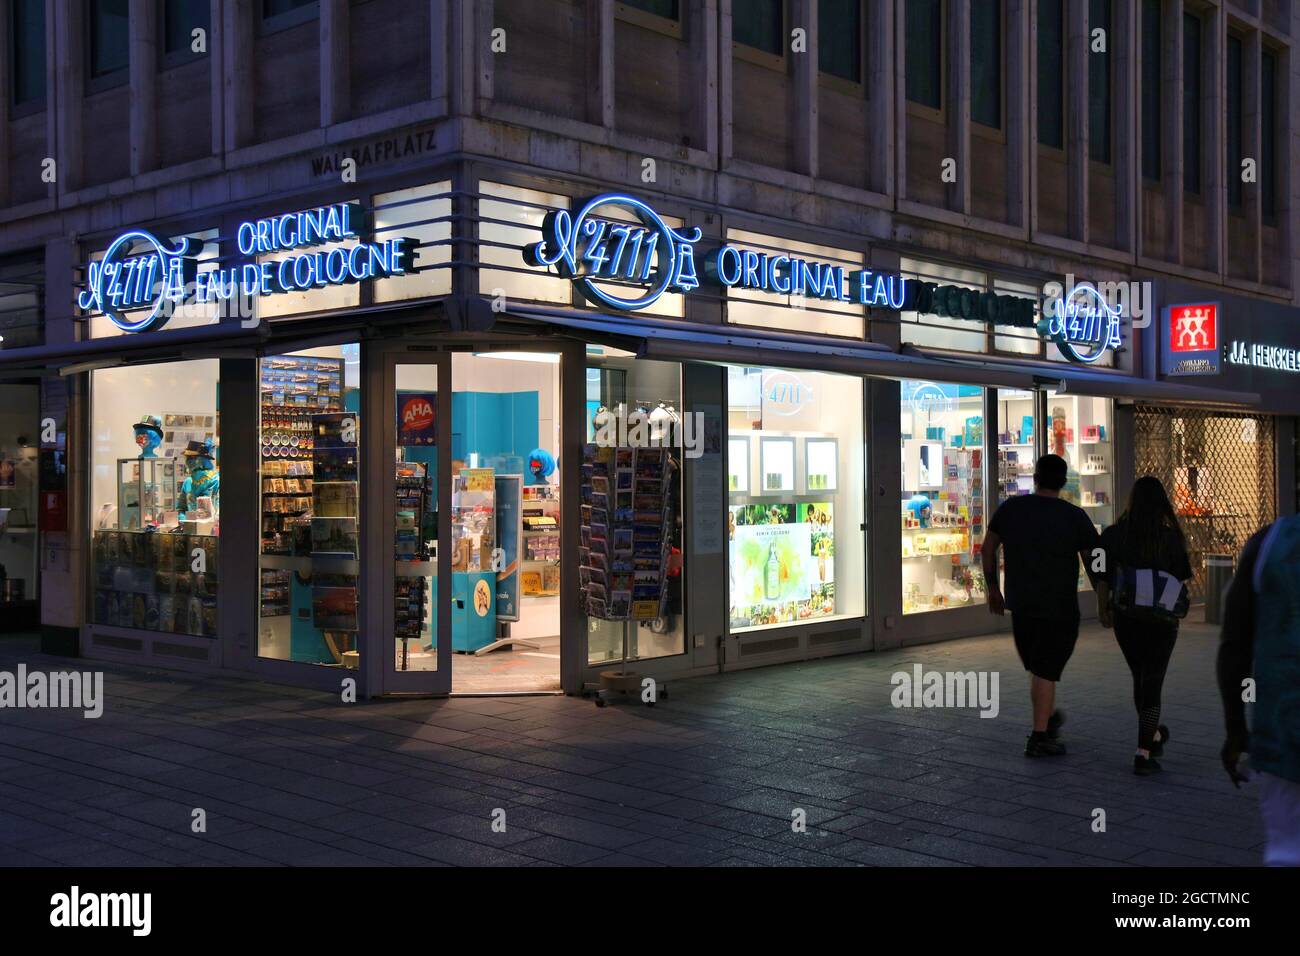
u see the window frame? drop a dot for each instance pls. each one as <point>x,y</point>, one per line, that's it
<point>1064,100</point>
<point>1159,94</point>
<point>651,21</point>
<point>758,57</point>
<point>843,83</point>
<point>267,24</point>
<point>37,104</point>
<point>1109,161</point>
<point>111,79</point>
<point>995,133</point>
<point>1197,194</point>
<point>1232,163</point>
<point>169,59</point>
<point>1269,217</point>
<point>914,107</point>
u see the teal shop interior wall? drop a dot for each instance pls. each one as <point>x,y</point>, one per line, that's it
<point>501,426</point>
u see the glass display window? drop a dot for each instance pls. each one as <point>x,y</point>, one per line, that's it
<point>796,545</point>
<point>19,480</point>
<point>1017,442</point>
<point>309,449</point>
<point>1078,428</point>
<point>942,439</point>
<point>510,218</point>
<point>638,435</point>
<point>943,332</point>
<point>156,497</point>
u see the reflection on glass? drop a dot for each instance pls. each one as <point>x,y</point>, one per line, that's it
<point>942,428</point>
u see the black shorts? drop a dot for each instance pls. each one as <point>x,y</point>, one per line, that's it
<point>1044,643</point>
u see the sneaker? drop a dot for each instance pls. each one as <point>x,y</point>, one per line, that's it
<point>1157,747</point>
<point>1055,723</point>
<point>1043,747</point>
<point>1145,766</point>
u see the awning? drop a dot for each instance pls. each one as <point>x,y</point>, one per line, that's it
<point>673,340</point>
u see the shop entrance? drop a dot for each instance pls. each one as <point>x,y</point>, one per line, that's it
<point>474,493</point>
<point>1219,470</point>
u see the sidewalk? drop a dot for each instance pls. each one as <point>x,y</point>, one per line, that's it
<point>709,776</point>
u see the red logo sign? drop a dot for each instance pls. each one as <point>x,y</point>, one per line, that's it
<point>417,414</point>
<point>1193,328</point>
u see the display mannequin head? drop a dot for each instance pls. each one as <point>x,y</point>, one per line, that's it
<point>148,435</point>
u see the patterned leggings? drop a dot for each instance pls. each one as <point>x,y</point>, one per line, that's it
<point>1147,647</point>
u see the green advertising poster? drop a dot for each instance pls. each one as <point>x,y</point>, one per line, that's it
<point>782,562</point>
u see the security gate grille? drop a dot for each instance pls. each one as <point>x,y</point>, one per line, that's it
<point>1218,468</point>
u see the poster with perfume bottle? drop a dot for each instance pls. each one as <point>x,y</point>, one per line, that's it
<point>782,562</point>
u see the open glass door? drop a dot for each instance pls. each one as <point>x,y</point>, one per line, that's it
<point>416,525</point>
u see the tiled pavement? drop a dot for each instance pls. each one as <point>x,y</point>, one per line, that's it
<point>709,776</point>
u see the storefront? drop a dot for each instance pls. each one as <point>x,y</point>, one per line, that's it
<point>482,435</point>
<point>1230,468</point>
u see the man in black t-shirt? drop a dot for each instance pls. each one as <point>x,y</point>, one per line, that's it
<point>1044,537</point>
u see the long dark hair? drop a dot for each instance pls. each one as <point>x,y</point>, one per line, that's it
<point>1152,534</point>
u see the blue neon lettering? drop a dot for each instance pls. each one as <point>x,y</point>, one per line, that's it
<point>336,266</point>
<point>246,238</point>
<point>749,269</point>
<point>780,275</point>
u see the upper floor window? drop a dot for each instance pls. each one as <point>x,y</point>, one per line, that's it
<point>924,27</point>
<point>986,62</point>
<point>759,24</point>
<point>1100,39</point>
<point>1268,135</point>
<point>1233,141</point>
<point>1191,103</point>
<point>27,46</point>
<point>1051,73</point>
<point>1152,64</point>
<point>180,19</point>
<point>668,9</point>
<point>839,38</point>
<point>109,37</point>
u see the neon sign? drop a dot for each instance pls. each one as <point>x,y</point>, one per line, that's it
<point>141,272</point>
<point>589,249</point>
<point>1083,325</point>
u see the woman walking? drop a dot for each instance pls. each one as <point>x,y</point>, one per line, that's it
<point>1143,595</point>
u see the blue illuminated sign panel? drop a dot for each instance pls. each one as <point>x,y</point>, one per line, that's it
<point>140,272</point>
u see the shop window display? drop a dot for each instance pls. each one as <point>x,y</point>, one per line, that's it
<point>310,471</point>
<point>942,431</point>
<point>156,484</point>
<point>19,425</point>
<point>795,497</point>
<point>637,436</point>
<point>1078,428</point>
<point>1017,442</point>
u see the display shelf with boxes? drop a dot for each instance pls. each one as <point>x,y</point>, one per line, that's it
<point>148,492</point>
<point>541,541</point>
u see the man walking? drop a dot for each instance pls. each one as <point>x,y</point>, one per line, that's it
<point>1261,633</point>
<point>1044,537</point>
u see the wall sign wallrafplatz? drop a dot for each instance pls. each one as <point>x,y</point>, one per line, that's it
<point>630,247</point>
<point>140,272</point>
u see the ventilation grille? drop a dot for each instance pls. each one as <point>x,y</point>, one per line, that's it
<point>772,646</point>
<point>1218,468</point>
<point>835,637</point>
<point>188,651</point>
<point>118,643</point>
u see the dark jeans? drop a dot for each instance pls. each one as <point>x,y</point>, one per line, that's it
<point>1147,647</point>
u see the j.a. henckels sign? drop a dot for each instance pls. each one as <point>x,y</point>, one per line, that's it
<point>141,273</point>
<point>1274,358</point>
<point>627,262</point>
